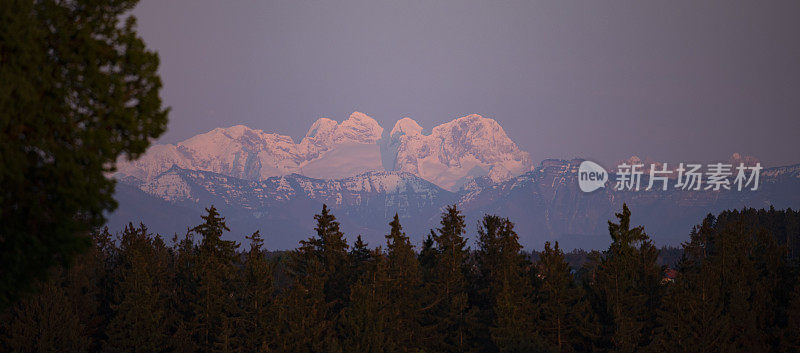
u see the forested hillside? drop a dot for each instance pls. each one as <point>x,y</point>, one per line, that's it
<point>734,288</point>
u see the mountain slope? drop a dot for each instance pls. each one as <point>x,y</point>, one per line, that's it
<point>284,206</point>
<point>467,147</point>
<point>545,204</point>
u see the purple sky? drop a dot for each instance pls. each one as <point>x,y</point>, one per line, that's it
<point>670,80</point>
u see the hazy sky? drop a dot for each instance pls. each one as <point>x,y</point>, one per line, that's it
<point>670,80</point>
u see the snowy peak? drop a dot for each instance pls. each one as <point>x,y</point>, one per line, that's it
<point>358,128</point>
<point>322,127</point>
<point>406,126</point>
<point>455,152</point>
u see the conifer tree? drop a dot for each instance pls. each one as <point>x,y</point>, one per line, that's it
<point>78,90</point>
<point>68,312</point>
<point>329,248</point>
<point>364,326</point>
<point>214,304</point>
<point>449,310</point>
<point>693,313</point>
<point>360,255</point>
<point>730,294</point>
<point>503,291</point>
<point>427,257</point>
<point>47,322</point>
<point>184,267</point>
<point>302,310</point>
<point>140,312</point>
<point>626,285</point>
<point>563,314</point>
<point>256,297</point>
<point>790,342</point>
<point>320,271</point>
<point>404,289</point>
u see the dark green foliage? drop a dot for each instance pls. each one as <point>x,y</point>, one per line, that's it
<point>140,299</point>
<point>79,90</point>
<point>448,312</point>
<point>503,295</point>
<point>564,318</point>
<point>736,289</point>
<point>214,276</point>
<point>366,321</point>
<point>625,287</point>
<point>320,271</point>
<point>360,255</point>
<point>404,284</point>
<point>256,299</point>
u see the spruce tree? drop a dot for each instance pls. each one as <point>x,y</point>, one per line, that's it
<point>626,285</point>
<point>733,289</point>
<point>320,272</point>
<point>502,290</point>
<point>47,322</point>
<point>404,283</point>
<point>182,306</point>
<point>564,316</point>
<point>257,298</point>
<point>329,248</point>
<point>140,303</point>
<point>214,304</point>
<point>693,313</point>
<point>302,309</point>
<point>449,310</point>
<point>364,326</point>
<point>360,255</point>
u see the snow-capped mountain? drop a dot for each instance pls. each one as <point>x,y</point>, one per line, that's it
<point>454,152</point>
<point>462,149</point>
<point>363,203</point>
<point>242,152</point>
<point>365,174</point>
<point>545,204</point>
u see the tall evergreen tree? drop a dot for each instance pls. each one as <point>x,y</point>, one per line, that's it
<point>693,313</point>
<point>79,90</point>
<point>564,316</point>
<point>449,310</point>
<point>320,271</point>
<point>360,256</point>
<point>47,322</point>
<point>731,294</point>
<point>140,303</point>
<point>404,283</point>
<point>214,304</point>
<point>257,298</point>
<point>502,290</point>
<point>364,326</point>
<point>69,312</point>
<point>329,248</point>
<point>182,306</point>
<point>626,285</point>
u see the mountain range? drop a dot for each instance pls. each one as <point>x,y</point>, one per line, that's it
<point>267,182</point>
<point>454,152</point>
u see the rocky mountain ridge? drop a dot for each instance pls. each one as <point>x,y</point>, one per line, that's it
<point>467,147</point>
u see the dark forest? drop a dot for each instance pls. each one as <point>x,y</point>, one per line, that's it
<point>732,286</point>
